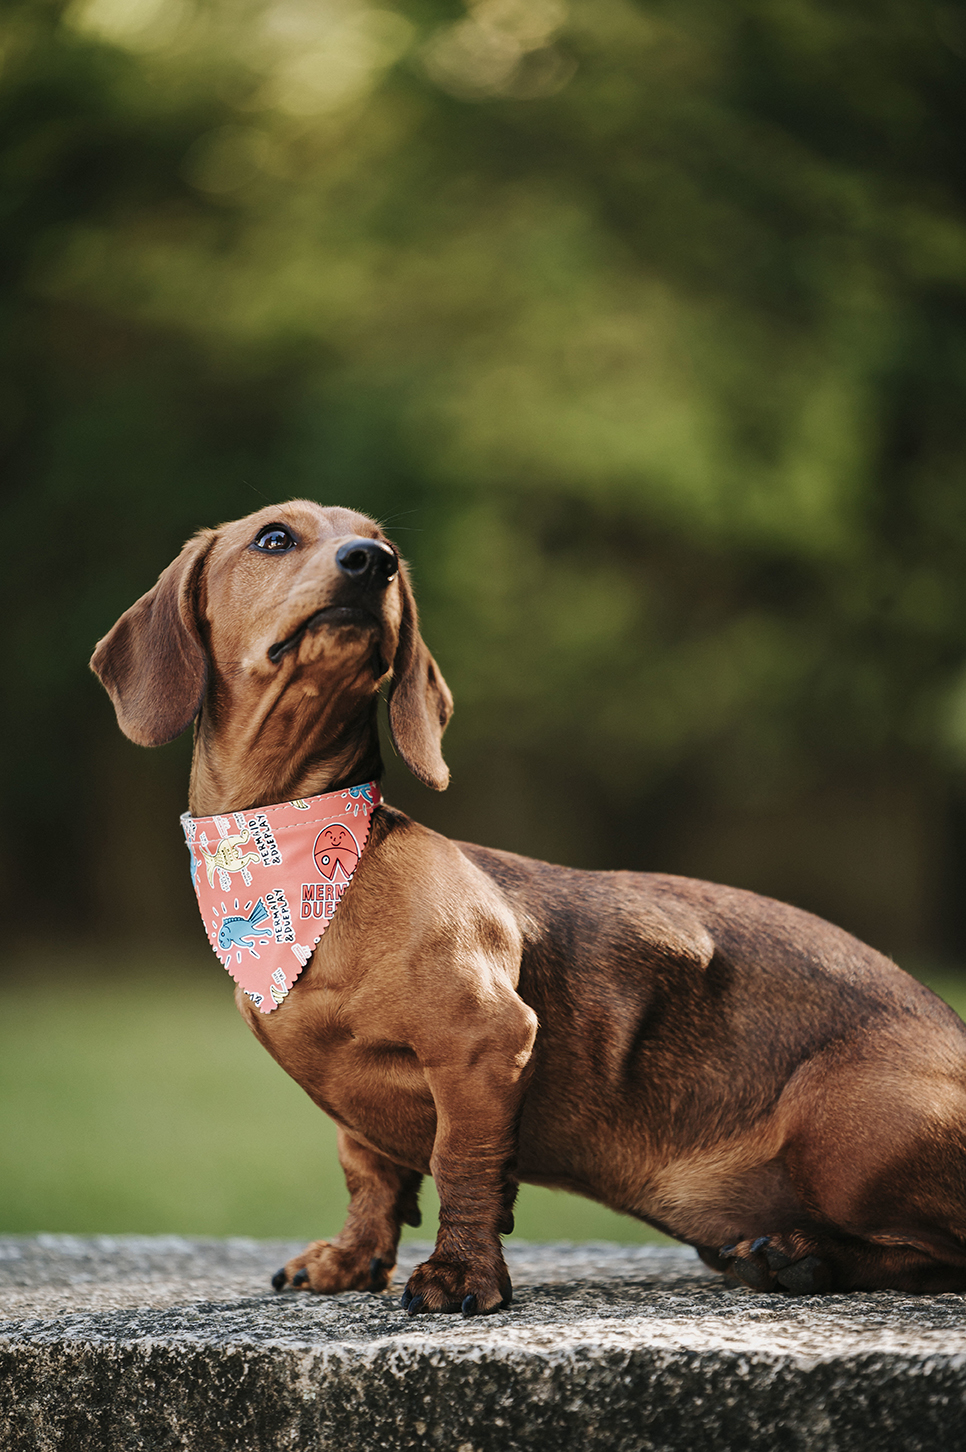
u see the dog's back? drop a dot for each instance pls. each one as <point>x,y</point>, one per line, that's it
<point>728,1067</point>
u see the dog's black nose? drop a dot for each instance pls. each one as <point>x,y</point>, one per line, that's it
<point>367,561</point>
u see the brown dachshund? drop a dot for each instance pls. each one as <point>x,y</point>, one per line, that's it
<point>739,1074</point>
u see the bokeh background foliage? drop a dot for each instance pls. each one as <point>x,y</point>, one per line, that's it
<point>643,328</point>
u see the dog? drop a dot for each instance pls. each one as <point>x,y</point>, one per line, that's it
<point>735,1072</point>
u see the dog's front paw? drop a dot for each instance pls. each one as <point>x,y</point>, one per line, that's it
<point>329,1268</point>
<point>443,1283</point>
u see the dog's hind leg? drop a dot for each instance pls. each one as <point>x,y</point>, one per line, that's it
<point>838,1262</point>
<point>362,1257</point>
<point>878,1162</point>
<point>795,1262</point>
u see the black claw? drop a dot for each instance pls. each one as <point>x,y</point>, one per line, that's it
<point>405,1298</point>
<point>413,1308</point>
<point>469,1305</point>
<point>728,1250</point>
<point>278,1280</point>
<point>759,1244</point>
<point>375,1267</point>
<point>300,1277</point>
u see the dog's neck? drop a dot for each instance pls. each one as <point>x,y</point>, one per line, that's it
<point>280,757</point>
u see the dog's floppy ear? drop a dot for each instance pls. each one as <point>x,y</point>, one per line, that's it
<point>420,703</point>
<point>152,663</point>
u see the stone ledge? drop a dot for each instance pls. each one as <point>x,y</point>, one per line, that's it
<point>123,1343</point>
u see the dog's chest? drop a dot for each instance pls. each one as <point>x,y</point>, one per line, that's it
<point>370,1084</point>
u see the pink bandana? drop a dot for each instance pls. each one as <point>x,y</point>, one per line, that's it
<point>269,880</point>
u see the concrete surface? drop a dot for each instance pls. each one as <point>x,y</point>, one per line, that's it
<point>124,1343</point>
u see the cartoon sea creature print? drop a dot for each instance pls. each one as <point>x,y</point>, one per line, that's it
<point>364,791</point>
<point>227,858</point>
<point>358,797</point>
<point>242,932</point>
<point>336,847</point>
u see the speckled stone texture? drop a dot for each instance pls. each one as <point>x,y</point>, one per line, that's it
<point>157,1342</point>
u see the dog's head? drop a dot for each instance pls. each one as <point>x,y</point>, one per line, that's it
<point>294,603</point>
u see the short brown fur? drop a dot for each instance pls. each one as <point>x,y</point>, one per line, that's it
<point>739,1073</point>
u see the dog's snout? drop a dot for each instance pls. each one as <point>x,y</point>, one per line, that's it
<point>367,561</point>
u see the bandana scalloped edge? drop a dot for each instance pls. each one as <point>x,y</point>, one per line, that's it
<point>268,882</point>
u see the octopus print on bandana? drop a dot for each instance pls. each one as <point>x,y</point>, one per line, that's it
<point>269,880</point>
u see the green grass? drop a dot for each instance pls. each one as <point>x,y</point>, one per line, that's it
<point>144,1104</point>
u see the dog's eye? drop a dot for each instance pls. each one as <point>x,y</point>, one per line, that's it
<point>273,540</point>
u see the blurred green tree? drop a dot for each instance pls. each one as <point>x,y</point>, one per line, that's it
<point>643,328</point>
